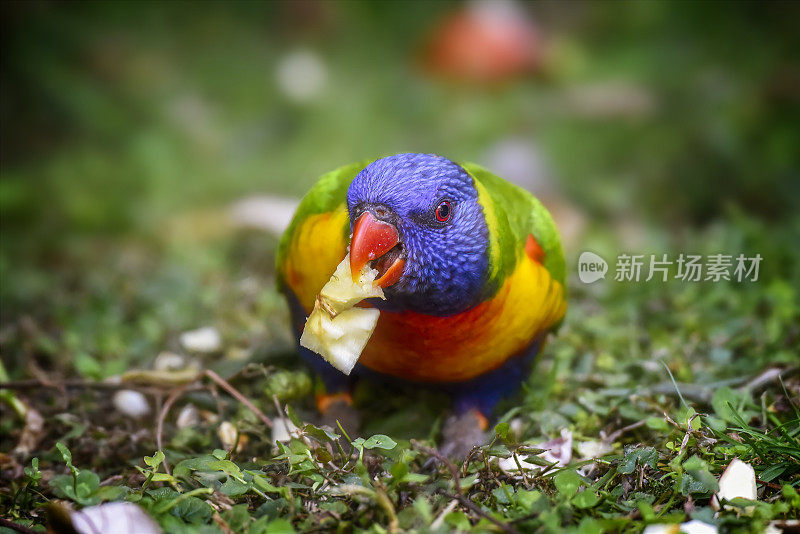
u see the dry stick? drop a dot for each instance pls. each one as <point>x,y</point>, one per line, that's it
<point>87,384</point>
<point>611,438</point>
<point>238,396</point>
<point>90,384</point>
<point>489,469</point>
<point>283,419</point>
<point>671,421</point>
<point>703,394</point>
<point>176,394</point>
<point>465,465</point>
<point>163,415</point>
<point>110,480</point>
<point>689,432</point>
<point>39,374</point>
<point>223,526</point>
<point>521,470</point>
<point>768,377</point>
<point>505,527</point>
<point>13,526</point>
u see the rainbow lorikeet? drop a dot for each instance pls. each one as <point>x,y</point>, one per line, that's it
<point>471,267</point>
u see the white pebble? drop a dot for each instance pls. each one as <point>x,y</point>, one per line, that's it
<point>509,465</point>
<point>205,339</point>
<point>188,417</point>
<point>282,429</point>
<point>131,403</point>
<point>169,361</point>
<point>593,449</point>
<point>227,435</point>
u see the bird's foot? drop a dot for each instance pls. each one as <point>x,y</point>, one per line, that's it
<point>336,409</point>
<point>463,432</point>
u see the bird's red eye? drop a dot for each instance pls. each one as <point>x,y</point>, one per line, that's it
<point>443,212</point>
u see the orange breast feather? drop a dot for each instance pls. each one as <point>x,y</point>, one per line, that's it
<point>463,346</point>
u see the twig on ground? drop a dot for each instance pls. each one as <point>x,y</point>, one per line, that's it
<point>160,422</point>
<point>283,418</point>
<point>39,374</point>
<point>521,470</point>
<point>689,432</point>
<point>89,384</point>
<point>769,376</point>
<point>465,465</point>
<point>614,436</point>
<point>704,393</point>
<point>13,526</point>
<point>238,396</point>
<point>111,480</point>
<point>37,384</point>
<point>223,526</point>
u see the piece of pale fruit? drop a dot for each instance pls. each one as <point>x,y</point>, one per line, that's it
<point>336,330</point>
<point>342,293</point>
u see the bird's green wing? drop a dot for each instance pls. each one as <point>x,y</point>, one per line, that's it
<point>316,239</point>
<point>512,214</point>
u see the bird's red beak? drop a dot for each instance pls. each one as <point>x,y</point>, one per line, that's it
<point>376,241</point>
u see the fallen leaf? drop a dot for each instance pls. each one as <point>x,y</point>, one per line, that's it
<point>117,517</point>
<point>738,480</point>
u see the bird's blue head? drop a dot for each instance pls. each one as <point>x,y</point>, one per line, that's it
<point>416,217</point>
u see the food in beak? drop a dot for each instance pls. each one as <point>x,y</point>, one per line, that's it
<point>336,330</point>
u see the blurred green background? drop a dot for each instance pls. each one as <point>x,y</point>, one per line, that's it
<point>145,147</point>
<point>129,128</point>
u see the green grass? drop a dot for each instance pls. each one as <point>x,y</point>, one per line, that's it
<point>610,368</point>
